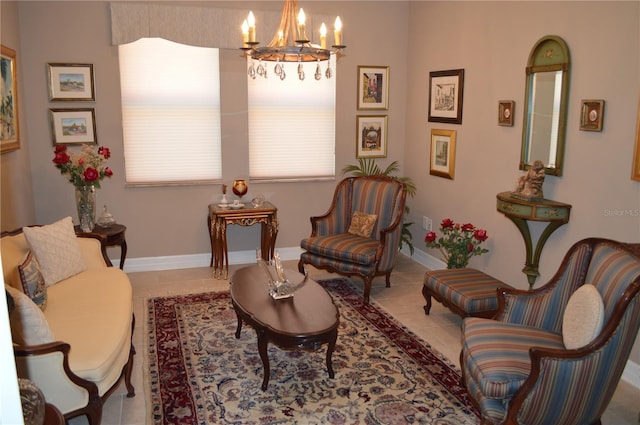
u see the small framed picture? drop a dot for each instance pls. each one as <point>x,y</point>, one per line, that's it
<point>443,153</point>
<point>592,114</point>
<point>73,126</point>
<point>70,82</point>
<point>445,96</point>
<point>505,112</point>
<point>10,131</point>
<point>635,171</point>
<point>373,87</point>
<point>371,136</point>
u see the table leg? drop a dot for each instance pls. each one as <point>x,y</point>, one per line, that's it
<point>225,251</point>
<point>239,328</point>
<point>123,253</point>
<point>263,340</point>
<point>330,348</point>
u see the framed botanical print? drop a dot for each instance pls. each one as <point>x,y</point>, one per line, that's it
<point>371,136</point>
<point>373,87</point>
<point>73,126</point>
<point>445,96</point>
<point>10,131</point>
<point>71,82</point>
<point>443,153</point>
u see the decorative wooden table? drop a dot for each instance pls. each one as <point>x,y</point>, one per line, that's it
<point>305,321</point>
<point>520,212</point>
<point>114,237</point>
<point>218,220</point>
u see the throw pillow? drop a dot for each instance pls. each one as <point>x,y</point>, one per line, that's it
<point>29,326</point>
<point>583,317</point>
<point>32,281</point>
<point>56,249</point>
<point>362,224</point>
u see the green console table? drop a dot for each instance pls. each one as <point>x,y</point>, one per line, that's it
<point>522,211</point>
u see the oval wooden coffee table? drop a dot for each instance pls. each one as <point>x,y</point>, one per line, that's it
<point>305,321</point>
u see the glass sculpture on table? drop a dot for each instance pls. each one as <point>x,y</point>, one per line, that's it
<point>279,285</point>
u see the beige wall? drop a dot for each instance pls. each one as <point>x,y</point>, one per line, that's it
<point>172,221</point>
<point>490,40</point>
<point>16,201</point>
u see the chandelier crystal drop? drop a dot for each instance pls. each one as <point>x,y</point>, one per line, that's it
<point>290,44</point>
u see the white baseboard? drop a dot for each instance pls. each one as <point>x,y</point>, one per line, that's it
<point>146,264</point>
<point>631,373</point>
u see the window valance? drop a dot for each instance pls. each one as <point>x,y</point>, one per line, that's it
<point>194,25</point>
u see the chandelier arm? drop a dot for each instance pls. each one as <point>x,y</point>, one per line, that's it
<point>287,25</point>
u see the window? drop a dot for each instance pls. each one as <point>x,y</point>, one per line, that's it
<point>292,124</point>
<point>170,112</point>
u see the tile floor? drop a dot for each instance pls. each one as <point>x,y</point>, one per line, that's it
<point>403,300</point>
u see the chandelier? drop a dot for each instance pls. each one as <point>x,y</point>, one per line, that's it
<point>289,44</point>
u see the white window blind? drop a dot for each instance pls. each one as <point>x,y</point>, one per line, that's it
<point>292,124</point>
<point>170,112</point>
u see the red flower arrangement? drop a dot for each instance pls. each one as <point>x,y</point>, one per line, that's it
<point>458,243</point>
<point>86,168</point>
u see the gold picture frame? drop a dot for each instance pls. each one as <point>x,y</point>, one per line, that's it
<point>635,170</point>
<point>10,130</point>
<point>373,87</point>
<point>591,115</point>
<point>443,153</point>
<point>371,136</point>
<point>505,112</point>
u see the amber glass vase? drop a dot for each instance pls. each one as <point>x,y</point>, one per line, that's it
<point>240,188</point>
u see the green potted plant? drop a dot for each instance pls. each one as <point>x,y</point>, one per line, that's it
<point>368,167</point>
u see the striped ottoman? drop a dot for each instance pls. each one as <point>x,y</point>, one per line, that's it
<point>466,292</point>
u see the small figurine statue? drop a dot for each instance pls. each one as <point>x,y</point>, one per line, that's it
<point>224,195</point>
<point>530,185</point>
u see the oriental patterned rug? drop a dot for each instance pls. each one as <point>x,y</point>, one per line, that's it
<point>197,372</point>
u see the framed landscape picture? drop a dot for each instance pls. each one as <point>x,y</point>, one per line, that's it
<point>70,82</point>
<point>373,87</point>
<point>10,131</point>
<point>371,136</point>
<point>443,153</point>
<point>445,96</point>
<point>73,126</point>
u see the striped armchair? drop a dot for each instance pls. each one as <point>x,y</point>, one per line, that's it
<point>527,367</point>
<point>364,247</point>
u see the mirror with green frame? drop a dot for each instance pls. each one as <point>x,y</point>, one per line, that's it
<point>546,99</point>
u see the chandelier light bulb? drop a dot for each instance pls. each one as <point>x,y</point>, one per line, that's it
<point>323,36</point>
<point>301,25</point>
<point>245,33</point>
<point>251,21</point>
<point>337,33</point>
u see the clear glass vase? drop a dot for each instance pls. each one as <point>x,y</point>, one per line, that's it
<point>86,204</point>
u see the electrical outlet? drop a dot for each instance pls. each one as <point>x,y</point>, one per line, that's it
<point>427,224</point>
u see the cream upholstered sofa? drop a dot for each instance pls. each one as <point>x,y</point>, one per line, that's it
<point>77,346</point>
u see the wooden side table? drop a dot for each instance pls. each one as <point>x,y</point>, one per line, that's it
<point>114,236</point>
<point>248,215</point>
<point>520,212</point>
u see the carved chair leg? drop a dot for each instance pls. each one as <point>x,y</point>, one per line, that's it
<point>301,266</point>
<point>388,280</point>
<point>367,288</point>
<point>131,392</point>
